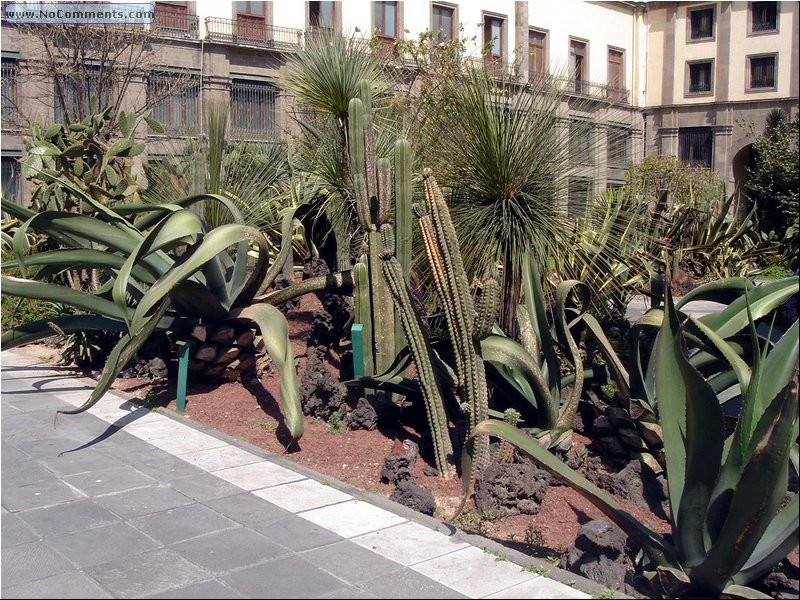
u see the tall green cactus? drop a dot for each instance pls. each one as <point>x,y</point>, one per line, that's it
<point>363,310</point>
<point>466,328</point>
<point>420,350</point>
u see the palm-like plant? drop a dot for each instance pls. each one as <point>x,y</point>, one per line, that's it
<point>502,155</point>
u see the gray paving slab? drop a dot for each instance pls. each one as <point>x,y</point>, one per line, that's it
<point>204,487</point>
<point>71,584</point>
<point>147,574</point>
<point>205,589</point>
<point>297,534</point>
<point>48,447</point>
<point>10,455</point>
<point>99,545</point>
<point>350,592</point>
<point>290,577</point>
<point>80,461</point>
<point>164,466</point>
<point>15,531</point>
<point>351,562</point>
<point>408,584</point>
<point>231,549</point>
<point>107,481</point>
<point>29,562</point>
<point>182,523</point>
<point>27,472</point>
<point>67,518</point>
<point>247,509</point>
<point>44,493</point>
<point>143,501</point>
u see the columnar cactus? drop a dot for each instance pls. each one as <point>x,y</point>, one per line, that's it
<point>450,279</point>
<point>419,346</point>
<point>506,451</point>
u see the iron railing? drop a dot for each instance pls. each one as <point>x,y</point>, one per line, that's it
<point>175,26</point>
<point>590,89</point>
<point>253,34</point>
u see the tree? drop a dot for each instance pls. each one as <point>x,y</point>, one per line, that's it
<point>773,179</point>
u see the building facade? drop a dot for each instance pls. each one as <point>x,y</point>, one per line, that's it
<point>657,77</point>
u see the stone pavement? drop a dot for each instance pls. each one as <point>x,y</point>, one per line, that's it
<point>123,502</point>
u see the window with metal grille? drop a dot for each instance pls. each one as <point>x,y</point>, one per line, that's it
<point>617,140</point>
<point>443,21</point>
<point>701,24</point>
<point>493,36</point>
<point>321,15</point>
<point>579,195</point>
<point>10,179</point>
<point>252,106</point>
<point>9,84</point>
<point>696,145</point>
<point>764,16</point>
<point>700,77</point>
<point>537,52</point>
<point>385,19</point>
<point>79,95</point>
<point>762,71</point>
<point>174,99</point>
<point>580,141</point>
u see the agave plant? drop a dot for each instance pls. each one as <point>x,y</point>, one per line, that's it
<point>728,527</point>
<point>163,270</point>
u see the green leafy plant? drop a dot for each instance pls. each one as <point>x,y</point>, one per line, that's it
<point>725,495</point>
<point>162,271</point>
<point>335,424</point>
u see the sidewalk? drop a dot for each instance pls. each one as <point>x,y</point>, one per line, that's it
<point>122,502</point>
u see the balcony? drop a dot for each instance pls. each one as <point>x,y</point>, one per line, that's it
<point>176,26</point>
<point>253,34</point>
<point>598,91</point>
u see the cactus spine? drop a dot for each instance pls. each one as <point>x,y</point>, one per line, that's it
<point>441,246</point>
<point>420,350</point>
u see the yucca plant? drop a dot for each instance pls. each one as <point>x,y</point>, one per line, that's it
<point>728,527</point>
<point>163,270</point>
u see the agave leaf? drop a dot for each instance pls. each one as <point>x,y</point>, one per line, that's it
<point>723,291</point>
<point>176,227</point>
<point>641,385</point>
<point>54,261</point>
<point>192,298</point>
<point>147,221</point>
<point>280,260</point>
<point>122,353</point>
<point>710,337</point>
<point>536,305</point>
<point>651,542</point>
<point>212,244</point>
<point>691,418</point>
<point>754,501</point>
<point>28,288</point>
<point>778,540</point>
<point>37,330</point>
<point>275,333</point>
<point>762,300</point>
<point>742,592</point>
<point>505,352</point>
<point>582,292</point>
<point>618,372</point>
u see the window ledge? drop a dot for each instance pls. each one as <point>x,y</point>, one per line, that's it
<point>698,94</point>
<point>700,40</point>
<point>757,90</point>
<point>764,32</point>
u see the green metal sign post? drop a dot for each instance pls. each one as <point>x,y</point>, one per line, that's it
<point>357,335</point>
<point>183,374</point>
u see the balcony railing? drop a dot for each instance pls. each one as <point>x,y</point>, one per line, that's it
<point>253,34</point>
<point>175,26</point>
<point>590,89</point>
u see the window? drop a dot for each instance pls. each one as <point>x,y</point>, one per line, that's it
<point>580,141</point>
<point>9,84</point>
<point>577,65</point>
<point>77,96</point>
<point>617,140</point>
<point>385,19</point>
<point>493,37</point>
<point>172,16</point>
<point>579,194</point>
<point>443,22</point>
<point>537,52</point>
<point>763,16</point>
<point>616,75</point>
<point>762,71</point>
<point>252,106</point>
<point>250,21</point>
<point>321,16</point>
<point>10,179</point>
<point>701,77</point>
<point>696,145</point>
<point>701,24</point>
<point>174,100</point>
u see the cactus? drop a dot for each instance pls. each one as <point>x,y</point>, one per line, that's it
<point>506,451</point>
<point>420,349</point>
<point>441,246</point>
<point>488,304</point>
<point>363,310</point>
